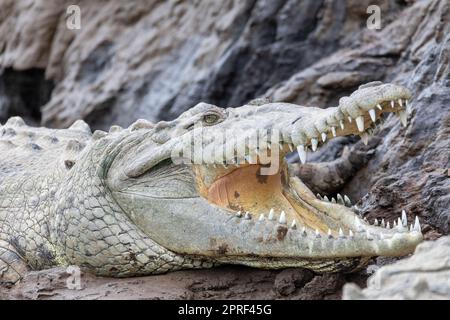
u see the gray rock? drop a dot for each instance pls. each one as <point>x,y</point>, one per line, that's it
<point>424,275</point>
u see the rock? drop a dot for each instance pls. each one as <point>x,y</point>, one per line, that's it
<point>155,59</point>
<point>231,282</point>
<point>424,275</point>
<point>287,281</point>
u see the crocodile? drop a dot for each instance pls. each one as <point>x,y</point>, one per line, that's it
<point>139,200</point>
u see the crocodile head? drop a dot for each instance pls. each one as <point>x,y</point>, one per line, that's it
<point>202,185</point>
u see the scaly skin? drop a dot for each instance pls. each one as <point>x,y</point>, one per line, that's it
<point>118,204</point>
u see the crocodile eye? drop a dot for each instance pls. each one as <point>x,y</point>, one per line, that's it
<point>210,118</point>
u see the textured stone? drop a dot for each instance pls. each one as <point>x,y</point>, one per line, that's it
<point>424,275</point>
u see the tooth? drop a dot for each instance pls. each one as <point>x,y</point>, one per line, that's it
<point>290,147</point>
<point>281,146</point>
<point>329,233</point>
<point>302,153</point>
<point>392,104</point>
<point>404,218</point>
<point>333,200</point>
<point>261,217</point>
<point>282,219</point>
<point>379,107</point>
<point>341,124</point>
<point>247,215</point>
<point>417,226</point>
<point>375,223</point>
<point>400,102</point>
<point>360,123</point>
<point>325,198</point>
<point>271,214</point>
<point>349,119</point>
<point>350,233</point>
<point>314,143</point>
<point>319,196</point>
<point>324,136</point>
<point>399,224</point>
<point>348,203</point>
<point>373,115</point>
<point>294,224</point>
<point>365,138</point>
<point>341,233</point>
<point>394,224</point>
<point>333,131</point>
<point>411,228</point>
<point>388,225</point>
<point>239,214</point>
<point>317,234</point>
<point>340,200</point>
<point>304,232</point>
<point>403,117</point>
<point>382,223</point>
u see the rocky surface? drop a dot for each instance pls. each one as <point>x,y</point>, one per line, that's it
<point>219,283</point>
<point>425,275</point>
<point>155,59</point>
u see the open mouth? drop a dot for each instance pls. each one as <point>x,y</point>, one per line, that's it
<point>281,199</point>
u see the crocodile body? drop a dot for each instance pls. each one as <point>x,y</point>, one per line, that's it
<point>117,204</point>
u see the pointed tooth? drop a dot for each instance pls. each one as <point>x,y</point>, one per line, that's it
<point>375,222</point>
<point>317,234</point>
<point>324,136</point>
<point>388,225</point>
<point>333,200</point>
<point>348,203</point>
<point>341,233</point>
<point>392,104</point>
<point>304,233</point>
<point>350,233</point>
<point>379,107</point>
<point>329,233</point>
<point>271,214</point>
<point>411,228</point>
<point>373,115</point>
<point>314,143</point>
<point>302,153</point>
<point>282,219</point>
<point>417,226</point>
<point>349,119</point>
<point>403,118</point>
<point>382,223</point>
<point>294,224</point>
<point>360,123</point>
<point>290,147</point>
<point>399,224</point>
<point>341,124</point>
<point>319,196</point>
<point>340,200</point>
<point>281,146</point>
<point>325,198</point>
<point>404,218</point>
<point>248,216</point>
<point>261,217</point>
<point>400,102</point>
<point>364,138</point>
<point>333,131</point>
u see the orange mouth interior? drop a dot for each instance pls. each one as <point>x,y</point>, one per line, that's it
<point>245,189</point>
